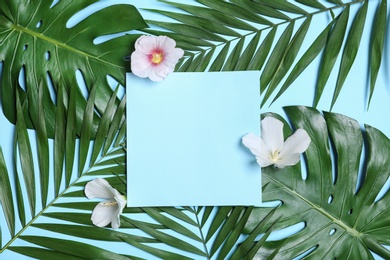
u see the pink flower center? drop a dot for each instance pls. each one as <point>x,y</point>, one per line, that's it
<point>156,57</point>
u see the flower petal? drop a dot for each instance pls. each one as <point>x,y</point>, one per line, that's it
<point>165,43</point>
<point>287,160</point>
<point>173,55</point>
<point>253,143</point>
<point>296,143</point>
<point>102,214</point>
<point>257,146</point>
<point>146,44</point>
<point>121,203</point>
<point>272,133</point>
<point>99,188</point>
<point>264,161</point>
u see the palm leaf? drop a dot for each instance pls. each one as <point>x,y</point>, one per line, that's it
<point>26,161</point>
<point>343,218</point>
<point>203,30</point>
<point>35,41</point>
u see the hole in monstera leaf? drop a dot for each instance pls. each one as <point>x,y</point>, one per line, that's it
<point>25,47</point>
<point>286,232</point>
<point>82,84</point>
<point>84,13</point>
<point>39,24</point>
<point>114,84</point>
<point>383,191</point>
<point>272,204</point>
<point>51,88</point>
<point>22,78</point>
<point>330,199</point>
<point>47,55</point>
<point>332,231</point>
<point>307,252</point>
<point>350,212</point>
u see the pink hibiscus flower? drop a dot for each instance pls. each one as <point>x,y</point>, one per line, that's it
<point>155,57</point>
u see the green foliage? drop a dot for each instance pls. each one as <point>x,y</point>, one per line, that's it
<point>35,40</point>
<point>205,31</point>
<point>344,218</point>
<point>217,35</point>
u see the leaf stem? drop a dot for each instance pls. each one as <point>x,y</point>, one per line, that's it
<point>374,246</point>
<point>37,216</point>
<point>201,235</point>
<point>65,46</point>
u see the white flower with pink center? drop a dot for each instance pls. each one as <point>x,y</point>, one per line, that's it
<point>155,57</point>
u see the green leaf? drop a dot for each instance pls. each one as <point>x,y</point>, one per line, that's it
<point>338,218</point>
<point>215,15</point>
<point>231,9</point>
<point>6,198</point>
<point>235,233</point>
<point>331,52</point>
<point>188,30</point>
<point>282,5</point>
<point>288,59</point>
<point>218,220</point>
<point>234,56</point>
<point>34,37</point>
<point>305,60</point>
<point>70,136</point>
<point>264,10</point>
<point>167,239</point>
<point>377,44</point>
<point>350,49</point>
<point>103,126</point>
<point>220,60</point>
<point>247,245</point>
<point>25,156</point>
<point>115,124</point>
<point>198,22</point>
<point>171,224</point>
<point>43,147</point>
<point>91,232</point>
<point>59,140</point>
<point>163,254</point>
<point>72,248</point>
<point>248,53</point>
<point>86,129</point>
<point>276,57</point>
<point>258,60</point>
<point>42,253</point>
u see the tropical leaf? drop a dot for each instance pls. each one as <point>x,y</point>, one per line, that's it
<point>204,32</point>
<point>343,217</point>
<point>26,161</point>
<point>36,43</point>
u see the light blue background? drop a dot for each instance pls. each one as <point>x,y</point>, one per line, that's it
<point>352,100</point>
<point>184,140</point>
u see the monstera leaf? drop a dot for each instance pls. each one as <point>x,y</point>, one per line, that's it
<point>271,36</point>
<point>36,44</point>
<point>344,215</point>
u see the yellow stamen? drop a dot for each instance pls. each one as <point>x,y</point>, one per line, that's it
<point>109,203</point>
<point>275,156</point>
<point>157,58</point>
